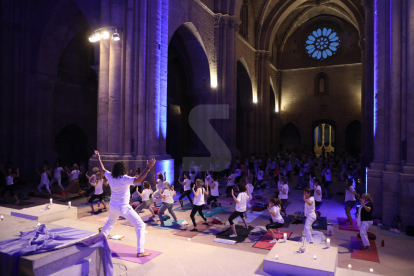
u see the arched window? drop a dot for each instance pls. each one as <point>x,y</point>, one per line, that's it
<point>321,84</point>
<point>244,17</point>
<point>322,43</point>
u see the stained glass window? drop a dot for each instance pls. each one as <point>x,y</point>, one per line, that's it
<point>322,43</point>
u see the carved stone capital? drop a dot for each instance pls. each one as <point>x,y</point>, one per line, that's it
<point>234,23</point>
<point>217,19</point>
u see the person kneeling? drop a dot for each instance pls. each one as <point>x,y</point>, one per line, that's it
<point>276,220</point>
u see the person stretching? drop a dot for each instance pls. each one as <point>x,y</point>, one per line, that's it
<point>159,184</point>
<point>10,184</point>
<point>214,194</point>
<point>167,202</point>
<point>44,179</point>
<point>57,176</point>
<point>309,214</point>
<point>250,188</point>
<point>99,192</point>
<point>198,203</point>
<point>350,201</point>
<point>365,219</point>
<point>187,190</point>
<point>119,182</point>
<point>241,202</point>
<point>145,196</point>
<point>276,220</point>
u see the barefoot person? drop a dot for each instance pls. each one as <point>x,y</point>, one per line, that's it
<point>145,196</point>
<point>198,203</point>
<point>276,220</point>
<point>119,205</point>
<point>241,202</point>
<point>365,219</point>
<point>309,214</point>
<point>350,201</point>
<point>10,183</point>
<point>99,192</point>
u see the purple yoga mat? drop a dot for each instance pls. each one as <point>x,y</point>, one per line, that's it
<point>129,253</point>
<point>343,224</point>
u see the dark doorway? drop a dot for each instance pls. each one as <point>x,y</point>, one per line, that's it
<point>71,145</point>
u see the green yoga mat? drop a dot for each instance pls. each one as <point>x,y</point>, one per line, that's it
<point>215,211</point>
<point>187,207</point>
<point>171,224</point>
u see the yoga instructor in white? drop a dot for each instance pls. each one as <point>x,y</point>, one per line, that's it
<point>119,182</point>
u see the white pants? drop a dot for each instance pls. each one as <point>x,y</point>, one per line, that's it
<point>59,181</point>
<point>43,184</point>
<point>156,196</point>
<point>363,231</point>
<point>127,212</point>
<point>310,219</point>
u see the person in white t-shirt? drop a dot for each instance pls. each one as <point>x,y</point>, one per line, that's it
<point>250,188</point>
<point>167,196</point>
<point>119,182</point>
<point>276,220</point>
<point>198,203</point>
<point>317,192</point>
<point>145,196</point>
<point>283,192</point>
<point>192,178</point>
<point>159,182</point>
<point>99,192</point>
<point>328,180</point>
<point>10,183</point>
<point>214,192</point>
<point>259,181</point>
<point>187,190</point>
<point>230,184</point>
<point>309,214</point>
<point>350,200</point>
<point>44,179</point>
<point>241,205</point>
<point>74,181</point>
<point>57,176</point>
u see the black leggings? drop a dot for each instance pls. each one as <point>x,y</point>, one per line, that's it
<point>211,198</point>
<point>94,196</point>
<point>8,188</point>
<point>185,194</point>
<point>228,190</point>
<point>273,225</point>
<point>283,205</point>
<point>235,215</point>
<point>199,209</point>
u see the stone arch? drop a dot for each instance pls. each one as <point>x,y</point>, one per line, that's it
<point>290,138</point>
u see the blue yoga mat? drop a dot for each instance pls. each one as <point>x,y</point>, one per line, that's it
<point>171,224</point>
<point>215,211</point>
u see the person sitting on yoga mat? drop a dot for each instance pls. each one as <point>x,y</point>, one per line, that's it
<point>276,220</point>
<point>365,219</point>
<point>241,202</point>
<point>198,203</point>
<point>350,201</point>
<point>119,182</point>
<point>309,214</point>
<point>167,202</point>
<point>214,194</point>
<point>187,190</point>
<point>145,196</point>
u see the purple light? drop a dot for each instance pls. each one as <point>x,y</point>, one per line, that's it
<point>375,63</point>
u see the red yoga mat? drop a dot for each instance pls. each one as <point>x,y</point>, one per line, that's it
<point>371,256</point>
<point>129,253</point>
<point>343,224</point>
<point>263,242</point>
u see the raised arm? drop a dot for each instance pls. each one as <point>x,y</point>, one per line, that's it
<point>101,166</point>
<point>144,174</point>
<point>234,197</point>
<point>206,189</point>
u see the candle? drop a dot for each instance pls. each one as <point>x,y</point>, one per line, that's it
<point>371,270</point>
<point>51,201</point>
<point>189,239</point>
<point>24,209</point>
<point>349,266</point>
<point>38,224</point>
<point>146,232</point>
<point>328,243</point>
<point>285,237</point>
<point>69,204</point>
<point>277,257</point>
<point>314,257</point>
<point>1,217</point>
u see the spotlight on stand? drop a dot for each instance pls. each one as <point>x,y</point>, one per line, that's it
<point>105,33</point>
<point>115,35</point>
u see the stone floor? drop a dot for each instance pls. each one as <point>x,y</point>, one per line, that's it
<point>203,256</point>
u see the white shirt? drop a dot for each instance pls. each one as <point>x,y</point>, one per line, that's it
<point>208,179</point>
<point>159,184</point>
<point>75,175</point>
<point>9,180</point>
<point>260,175</point>
<point>250,188</point>
<point>349,196</point>
<point>328,176</point>
<point>278,218</point>
<point>310,209</point>
<point>119,188</point>
<point>169,196</point>
<point>230,181</point>
<point>215,191</point>
<point>99,187</point>
<point>318,197</point>
<point>57,172</point>
<point>187,184</point>
<point>192,176</point>
<point>44,179</point>
<point>199,200</point>
<point>242,198</point>
<point>146,194</point>
<point>281,195</point>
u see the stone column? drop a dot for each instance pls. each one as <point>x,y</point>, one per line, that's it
<point>263,99</point>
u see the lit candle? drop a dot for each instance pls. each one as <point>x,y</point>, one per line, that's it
<point>371,270</point>
<point>24,209</point>
<point>328,242</point>
<point>349,266</point>
<point>277,257</point>
<point>189,239</point>
<point>38,224</point>
<point>146,232</point>
<point>1,217</point>
<point>285,237</point>
<point>69,204</point>
<point>314,257</point>
<point>51,201</point>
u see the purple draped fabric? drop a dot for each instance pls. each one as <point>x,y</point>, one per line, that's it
<point>43,240</point>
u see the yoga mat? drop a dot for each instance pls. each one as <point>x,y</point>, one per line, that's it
<point>365,255</point>
<point>129,253</point>
<point>171,224</point>
<point>250,217</point>
<point>187,207</point>
<point>242,233</point>
<point>105,219</point>
<point>343,224</point>
<point>263,242</point>
<point>321,224</point>
<point>215,211</point>
<point>191,234</point>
